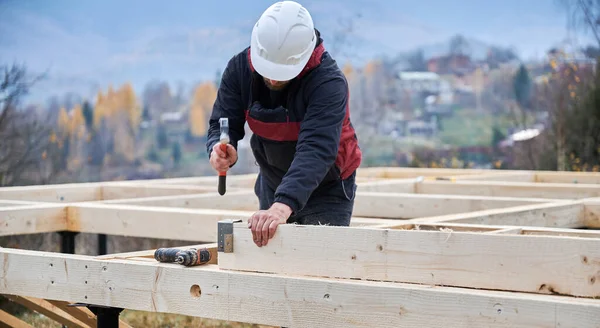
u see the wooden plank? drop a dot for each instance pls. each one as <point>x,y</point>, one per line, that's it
<point>568,177</point>
<point>29,219</point>
<point>592,214</point>
<point>507,231</point>
<point>281,300</point>
<point>62,193</point>
<point>138,191</point>
<point>509,189</point>
<point>232,200</point>
<point>388,185</point>
<point>10,321</point>
<point>396,205</point>
<point>534,264</point>
<point>82,314</point>
<point>196,225</point>
<point>367,204</point>
<point>512,176</point>
<point>413,172</point>
<point>495,229</point>
<point>49,310</point>
<point>567,214</point>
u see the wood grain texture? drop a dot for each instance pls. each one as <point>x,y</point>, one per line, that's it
<point>280,300</point>
<point>534,264</point>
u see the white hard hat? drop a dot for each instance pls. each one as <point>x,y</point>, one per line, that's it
<point>283,40</point>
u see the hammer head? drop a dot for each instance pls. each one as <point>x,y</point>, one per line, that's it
<point>224,124</point>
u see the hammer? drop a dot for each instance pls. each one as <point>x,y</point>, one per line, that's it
<point>223,140</point>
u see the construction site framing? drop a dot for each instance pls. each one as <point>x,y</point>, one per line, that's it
<point>426,248</point>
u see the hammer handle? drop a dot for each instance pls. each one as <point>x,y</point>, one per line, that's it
<point>222,174</point>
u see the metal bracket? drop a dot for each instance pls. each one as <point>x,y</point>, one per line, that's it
<point>225,235</point>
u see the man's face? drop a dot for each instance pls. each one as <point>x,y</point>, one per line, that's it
<point>275,85</point>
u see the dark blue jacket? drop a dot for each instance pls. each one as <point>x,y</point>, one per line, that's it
<point>302,136</point>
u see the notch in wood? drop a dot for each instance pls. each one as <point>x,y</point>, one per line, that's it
<point>225,235</point>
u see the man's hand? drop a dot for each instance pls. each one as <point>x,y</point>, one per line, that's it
<point>263,224</point>
<point>220,160</point>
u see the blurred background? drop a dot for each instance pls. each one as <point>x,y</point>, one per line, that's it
<point>113,90</point>
<point>117,90</point>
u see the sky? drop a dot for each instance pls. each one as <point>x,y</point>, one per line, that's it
<point>82,45</point>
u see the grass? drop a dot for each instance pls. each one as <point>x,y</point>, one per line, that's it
<point>467,127</point>
<point>146,320</point>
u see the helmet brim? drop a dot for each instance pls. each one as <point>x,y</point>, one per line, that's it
<point>278,72</point>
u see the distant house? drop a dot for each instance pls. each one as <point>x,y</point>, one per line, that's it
<point>419,82</point>
<point>426,84</point>
<point>450,64</point>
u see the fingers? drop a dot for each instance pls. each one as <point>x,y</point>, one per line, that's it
<point>263,225</point>
<point>219,151</point>
<point>231,152</point>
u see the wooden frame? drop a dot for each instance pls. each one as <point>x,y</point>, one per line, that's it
<point>426,248</point>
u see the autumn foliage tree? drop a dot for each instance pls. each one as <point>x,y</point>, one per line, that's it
<point>200,108</point>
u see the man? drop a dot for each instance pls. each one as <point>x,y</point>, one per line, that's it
<point>295,100</point>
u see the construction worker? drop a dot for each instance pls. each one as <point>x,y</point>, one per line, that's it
<point>295,99</point>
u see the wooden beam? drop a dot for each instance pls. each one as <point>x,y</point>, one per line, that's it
<point>509,189</point>
<point>592,214</point>
<point>388,185</point>
<point>566,214</point>
<point>281,300</point>
<point>413,172</point>
<point>30,219</point>
<point>568,177</point>
<point>535,264</point>
<point>512,176</point>
<point>62,193</point>
<point>49,310</point>
<point>150,190</point>
<point>499,229</point>
<point>197,225</point>
<point>80,313</point>
<point>396,205</point>
<point>367,204</point>
<point>10,321</point>
<point>232,200</point>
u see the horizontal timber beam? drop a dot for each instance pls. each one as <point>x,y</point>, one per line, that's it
<point>534,264</point>
<point>567,177</point>
<point>366,204</point>
<point>199,225</point>
<point>149,190</point>
<point>514,230</point>
<point>510,189</point>
<point>32,219</point>
<point>62,193</point>
<point>564,214</point>
<point>396,205</point>
<point>279,300</point>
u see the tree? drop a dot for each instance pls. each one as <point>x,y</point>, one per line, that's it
<point>176,152</point>
<point>202,102</point>
<point>161,137</point>
<point>25,136</point>
<point>459,46</point>
<point>522,85</point>
<point>584,15</point>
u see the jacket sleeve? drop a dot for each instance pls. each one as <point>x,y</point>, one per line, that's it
<point>318,143</point>
<point>228,104</point>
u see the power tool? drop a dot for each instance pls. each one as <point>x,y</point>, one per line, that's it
<point>186,257</point>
